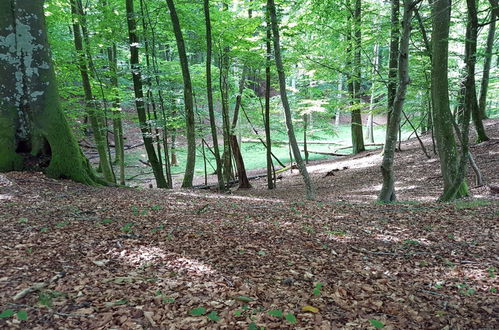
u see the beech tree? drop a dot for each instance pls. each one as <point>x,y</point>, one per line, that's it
<point>455,185</point>
<point>285,103</point>
<point>34,133</point>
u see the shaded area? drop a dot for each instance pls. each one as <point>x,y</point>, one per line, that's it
<point>148,257</point>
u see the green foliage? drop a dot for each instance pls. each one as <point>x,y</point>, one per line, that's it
<point>291,318</point>
<point>127,229</point>
<point>317,289</point>
<point>377,324</point>
<point>213,316</point>
<point>22,315</point>
<point>7,313</point>
<point>198,311</point>
<point>276,313</point>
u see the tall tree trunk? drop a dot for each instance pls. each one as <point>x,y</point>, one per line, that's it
<point>442,117</point>
<point>471,98</point>
<point>284,97</point>
<point>119,146</point>
<point>93,113</point>
<point>34,133</point>
<point>139,96</point>
<point>188,98</point>
<point>357,133</point>
<point>370,120</point>
<point>236,151</point>
<point>387,193</point>
<point>209,90</point>
<point>394,55</point>
<point>268,44</point>
<point>482,103</point>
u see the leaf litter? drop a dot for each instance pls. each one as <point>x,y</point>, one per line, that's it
<point>74,256</point>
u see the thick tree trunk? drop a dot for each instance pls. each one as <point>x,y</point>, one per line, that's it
<point>139,96</point>
<point>188,98</point>
<point>284,97</point>
<point>93,113</point>
<point>209,90</point>
<point>387,193</point>
<point>442,117</point>
<point>357,133</point>
<point>34,133</point>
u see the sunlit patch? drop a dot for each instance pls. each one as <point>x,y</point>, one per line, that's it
<point>144,255</point>
<point>139,256</point>
<point>5,197</point>
<point>244,198</point>
<point>388,238</point>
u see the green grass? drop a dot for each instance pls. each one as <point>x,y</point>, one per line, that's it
<point>254,153</point>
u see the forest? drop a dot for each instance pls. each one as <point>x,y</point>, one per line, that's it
<point>249,164</point>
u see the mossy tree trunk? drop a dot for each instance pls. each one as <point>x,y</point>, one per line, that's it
<point>34,133</point>
<point>188,98</point>
<point>442,117</point>
<point>285,103</point>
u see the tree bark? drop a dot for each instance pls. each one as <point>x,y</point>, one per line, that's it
<point>284,97</point>
<point>357,132</point>
<point>482,103</point>
<point>34,134</point>
<point>387,193</point>
<point>188,98</point>
<point>139,96</point>
<point>92,112</point>
<point>268,44</point>
<point>209,90</point>
<point>442,117</point>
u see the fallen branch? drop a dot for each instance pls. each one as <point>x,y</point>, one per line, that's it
<point>38,286</point>
<point>325,153</point>
<point>233,182</point>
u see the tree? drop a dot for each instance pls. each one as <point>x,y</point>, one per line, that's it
<point>209,90</point>
<point>188,99</point>
<point>94,115</point>
<point>285,103</point>
<point>357,134</point>
<point>454,185</point>
<point>139,96</point>
<point>482,103</point>
<point>34,133</point>
<point>387,193</point>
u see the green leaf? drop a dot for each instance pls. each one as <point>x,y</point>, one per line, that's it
<point>121,302</point>
<point>276,313</point>
<point>22,315</point>
<point>244,298</point>
<point>213,316</point>
<point>291,318</point>
<point>6,313</point>
<point>198,311</point>
<point>252,326</point>
<point>238,313</point>
<point>377,324</point>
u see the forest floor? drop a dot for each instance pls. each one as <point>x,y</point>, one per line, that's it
<point>74,256</point>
